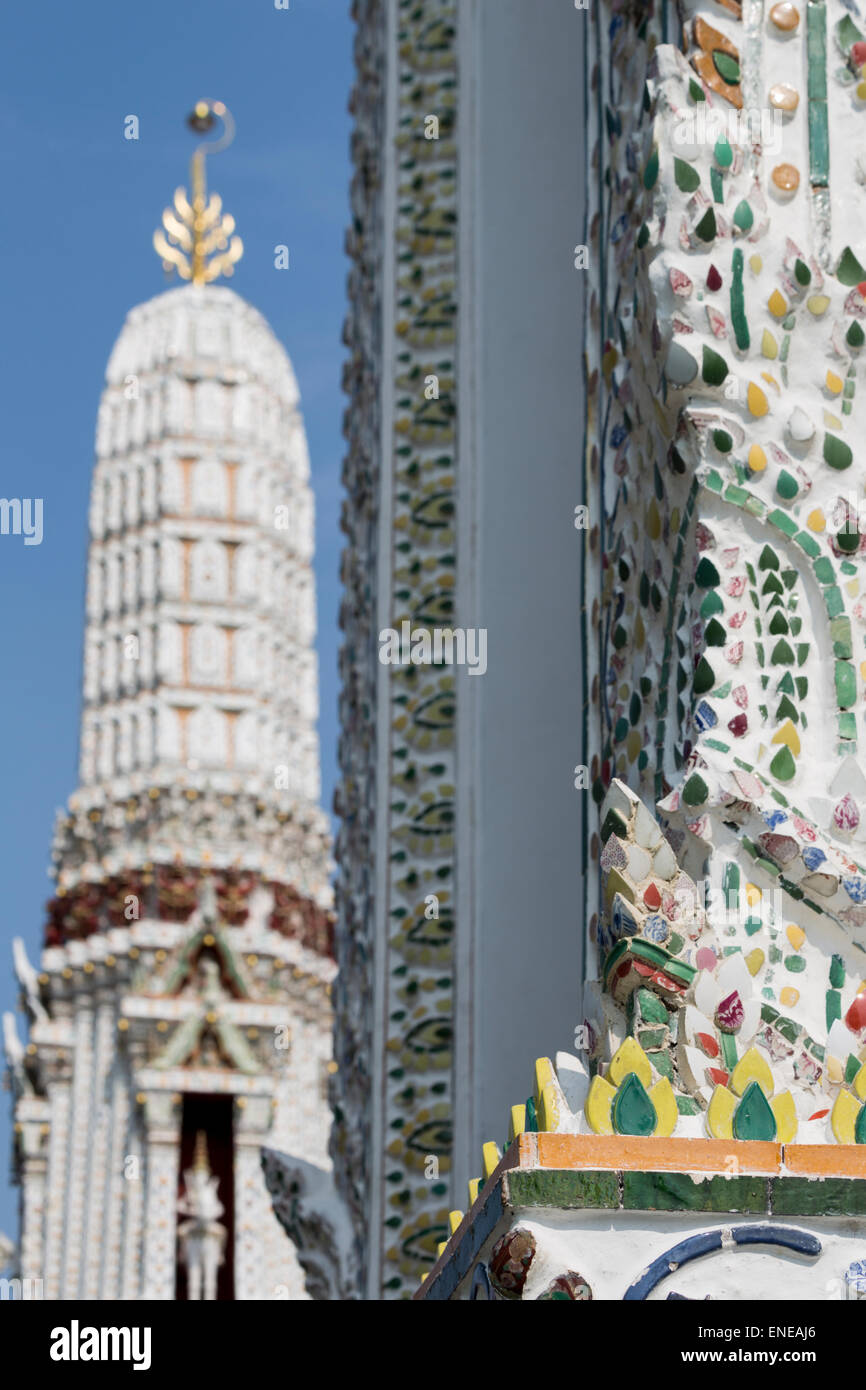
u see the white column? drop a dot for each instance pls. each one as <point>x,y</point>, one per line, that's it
<point>160,1206</point>
<point>78,1148</point>
<point>59,1100</point>
<point>94,1251</point>
<point>132,1193</point>
<point>118,1177</point>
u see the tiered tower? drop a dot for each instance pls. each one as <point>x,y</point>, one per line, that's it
<point>187,964</point>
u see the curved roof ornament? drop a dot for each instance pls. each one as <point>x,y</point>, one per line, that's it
<point>197,238</point>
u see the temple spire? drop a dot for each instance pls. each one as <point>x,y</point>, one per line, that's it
<point>196,238</point>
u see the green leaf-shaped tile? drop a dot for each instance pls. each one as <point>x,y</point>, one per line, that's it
<point>715,368</point>
<point>783,766</point>
<point>837,453</point>
<point>727,67</point>
<point>632,1111</point>
<point>849,269</point>
<point>754,1119</point>
<point>687,178</point>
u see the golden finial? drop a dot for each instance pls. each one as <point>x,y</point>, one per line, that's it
<point>200,1162</point>
<point>197,240</point>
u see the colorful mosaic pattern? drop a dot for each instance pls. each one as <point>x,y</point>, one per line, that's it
<point>725,570</point>
<point>419,962</point>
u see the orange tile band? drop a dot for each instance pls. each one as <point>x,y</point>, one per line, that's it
<point>625,1152</point>
<point>630,1154</point>
<point>826,1160</point>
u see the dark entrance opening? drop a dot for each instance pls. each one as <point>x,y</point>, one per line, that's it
<point>213,1116</point>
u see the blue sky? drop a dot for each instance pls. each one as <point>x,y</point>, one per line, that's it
<point>79,206</point>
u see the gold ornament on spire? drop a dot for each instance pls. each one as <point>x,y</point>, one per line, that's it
<point>196,238</point>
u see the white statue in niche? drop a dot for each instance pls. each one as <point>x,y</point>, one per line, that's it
<point>203,1235</point>
<point>209,577</point>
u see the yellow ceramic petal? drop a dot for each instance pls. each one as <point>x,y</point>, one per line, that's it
<point>785,1112</point>
<point>818,304</point>
<point>544,1073</point>
<point>786,733</point>
<point>753,894</point>
<point>440,1247</point>
<point>795,935</point>
<point>859,1083</point>
<point>832,421</point>
<point>756,400</point>
<point>630,1056</point>
<point>754,960</point>
<point>789,996</point>
<point>776,305</point>
<point>769,346</point>
<point>597,1107</point>
<point>833,1068</point>
<point>757,459</point>
<point>490,1156</point>
<point>454,1219</point>
<point>752,1067</point>
<point>518,1121</point>
<point>816,520</point>
<point>756,264</point>
<point>843,1117</point>
<point>834,383</point>
<point>665,1102</point>
<point>474,1189</point>
<point>548,1110</point>
<point>720,1114</point>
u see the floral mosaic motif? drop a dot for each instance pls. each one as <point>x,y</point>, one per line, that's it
<point>695,1045</point>
<point>627,1100</point>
